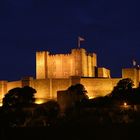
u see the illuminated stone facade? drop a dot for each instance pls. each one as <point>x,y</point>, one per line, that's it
<point>58,72</point>
<point>77,63</point>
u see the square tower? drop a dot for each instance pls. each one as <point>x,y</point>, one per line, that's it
<point>77,63</point>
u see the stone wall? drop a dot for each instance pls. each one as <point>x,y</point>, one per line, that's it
<point>42,87</point>
<point>14,84</point>
<point>95,86</point>
<point>47,88</point>
<point>58,84</point>
<point>99,86</point>
<point>60,66</point>
<point>41,64</point>
<point>132,73</point>
<point>103,72</point>
<point>77,63</point>
<point>3,90</point>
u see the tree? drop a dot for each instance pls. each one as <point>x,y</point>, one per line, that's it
<point>14,103</point>
<point>125,84</point>
<point>102,101</point>
<point>19,97</point>
<point>78,92</point>
<point>123,89</point>
<point>135,98</point>
<point>45,114</point>
<point>78,95</point>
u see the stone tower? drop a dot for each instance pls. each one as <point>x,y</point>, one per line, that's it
<point>77,63</point>
<point>132,73</point>
<point>41,64</point>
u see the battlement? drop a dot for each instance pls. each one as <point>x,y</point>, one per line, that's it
<point>59,55</point>
<point>76,63</point>
<point>42,52</point>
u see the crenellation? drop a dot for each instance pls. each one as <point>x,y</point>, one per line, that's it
<point>61,65</point>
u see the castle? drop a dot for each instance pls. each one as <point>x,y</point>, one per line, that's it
<point>55,72</point>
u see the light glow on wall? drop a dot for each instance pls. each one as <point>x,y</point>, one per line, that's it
<point>91,97</point>
<point>39,101</point>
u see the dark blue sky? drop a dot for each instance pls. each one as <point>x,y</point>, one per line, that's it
<point>110,28</point>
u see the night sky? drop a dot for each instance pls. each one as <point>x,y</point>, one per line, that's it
<point>110,28</point>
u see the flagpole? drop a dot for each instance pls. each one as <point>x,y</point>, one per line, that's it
<point>78,42</point>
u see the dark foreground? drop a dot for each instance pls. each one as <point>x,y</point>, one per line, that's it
<point>100,132</point>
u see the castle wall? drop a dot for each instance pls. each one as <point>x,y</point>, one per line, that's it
<point>14,84</point>
<point>84,63</point>
<point>78,63</point>
<point>42,87</point>
<point>60,65</point>
<point>59,84</point>
<point>103,72</point>
<point>94,59</point>
<point>3,90</point>
<point>47,88</point>
<point>90,70</point>
<point>131,73</point>
<point>41,64</point>
<point>75,80</point>
<point>99,86</point>
<point>77,60</point>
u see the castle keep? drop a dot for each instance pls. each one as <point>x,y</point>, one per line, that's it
<point>55,72</point>
<point>77,63</point>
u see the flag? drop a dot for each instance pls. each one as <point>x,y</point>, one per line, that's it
<point>79,41</point>
<point>134,62</point>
